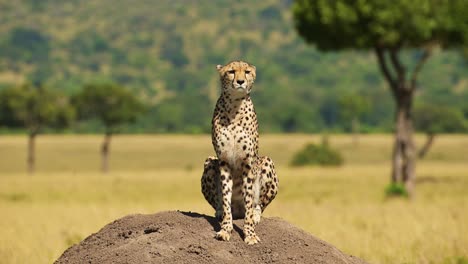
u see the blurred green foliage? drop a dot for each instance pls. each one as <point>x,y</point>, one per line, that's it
<point>25,45</point>
<point>169,61</point>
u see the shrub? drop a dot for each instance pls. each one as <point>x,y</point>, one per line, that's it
<point>396,190</point>
<point>313,154</point>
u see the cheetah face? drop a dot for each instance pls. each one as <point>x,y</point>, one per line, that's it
<point>237,78</point>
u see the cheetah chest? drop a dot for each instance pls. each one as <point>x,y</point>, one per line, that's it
<point>234,145</point>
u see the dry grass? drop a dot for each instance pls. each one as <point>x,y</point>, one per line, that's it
<point>68,199</point>
<point>70,153</point>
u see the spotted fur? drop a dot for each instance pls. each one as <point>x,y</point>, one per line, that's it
<point>237,183</point>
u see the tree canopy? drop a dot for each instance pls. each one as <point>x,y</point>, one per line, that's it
<point>111,104</point>
<point>364,24</point>
<point>34,108</point>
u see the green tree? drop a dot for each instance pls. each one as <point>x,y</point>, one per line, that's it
<point>34,108</point>
<point>112,105</point>
<point>388,28</point>
<point>432,120</point>
<point>351,109</point>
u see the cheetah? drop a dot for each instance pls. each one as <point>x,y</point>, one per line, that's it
<point>237,183</point>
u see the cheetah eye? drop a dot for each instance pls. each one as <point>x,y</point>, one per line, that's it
<point>231,71</point>
<point>247,72</point>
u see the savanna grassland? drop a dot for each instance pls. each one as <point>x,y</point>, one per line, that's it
<point>68,199</point>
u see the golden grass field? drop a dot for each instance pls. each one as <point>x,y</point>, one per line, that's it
<point>68,199</point>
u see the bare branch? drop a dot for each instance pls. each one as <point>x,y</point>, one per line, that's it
<point>384,68</point>
<point>419,65</point>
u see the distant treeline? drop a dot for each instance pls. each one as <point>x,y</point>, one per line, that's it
<point>95,108</point>
<point>168,60</point>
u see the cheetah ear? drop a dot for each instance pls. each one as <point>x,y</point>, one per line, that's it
<point>219,67</point>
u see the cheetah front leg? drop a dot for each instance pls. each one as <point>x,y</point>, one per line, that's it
<point>248,177</point>
<point>226,187</point>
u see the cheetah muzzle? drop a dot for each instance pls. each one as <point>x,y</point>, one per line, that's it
<point>237,183</point>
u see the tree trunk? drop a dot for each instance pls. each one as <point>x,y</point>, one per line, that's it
<point>430,139</point>
<point>403,171</point>
<point>402,87</point>
<point>31,160</point>
<point>105,153</point>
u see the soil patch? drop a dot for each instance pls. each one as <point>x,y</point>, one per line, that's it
<point>186,237</point>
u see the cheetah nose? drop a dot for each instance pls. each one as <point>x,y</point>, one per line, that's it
<point>240,82</point>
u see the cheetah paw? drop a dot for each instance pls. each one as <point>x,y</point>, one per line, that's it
<point>252,239</point>
<point>223,235</point>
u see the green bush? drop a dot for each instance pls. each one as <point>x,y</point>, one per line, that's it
<point>314,154</point>
<point>396,190</point>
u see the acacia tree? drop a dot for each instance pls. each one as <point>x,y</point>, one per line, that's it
<point>388,28</point>
<point>34,108</point>
<point>113,106</point>
<point>433,120</point>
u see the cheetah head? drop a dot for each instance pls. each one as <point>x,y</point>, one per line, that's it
<point>237,78</point>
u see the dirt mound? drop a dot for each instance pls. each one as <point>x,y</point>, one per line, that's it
<point>185,237</point>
